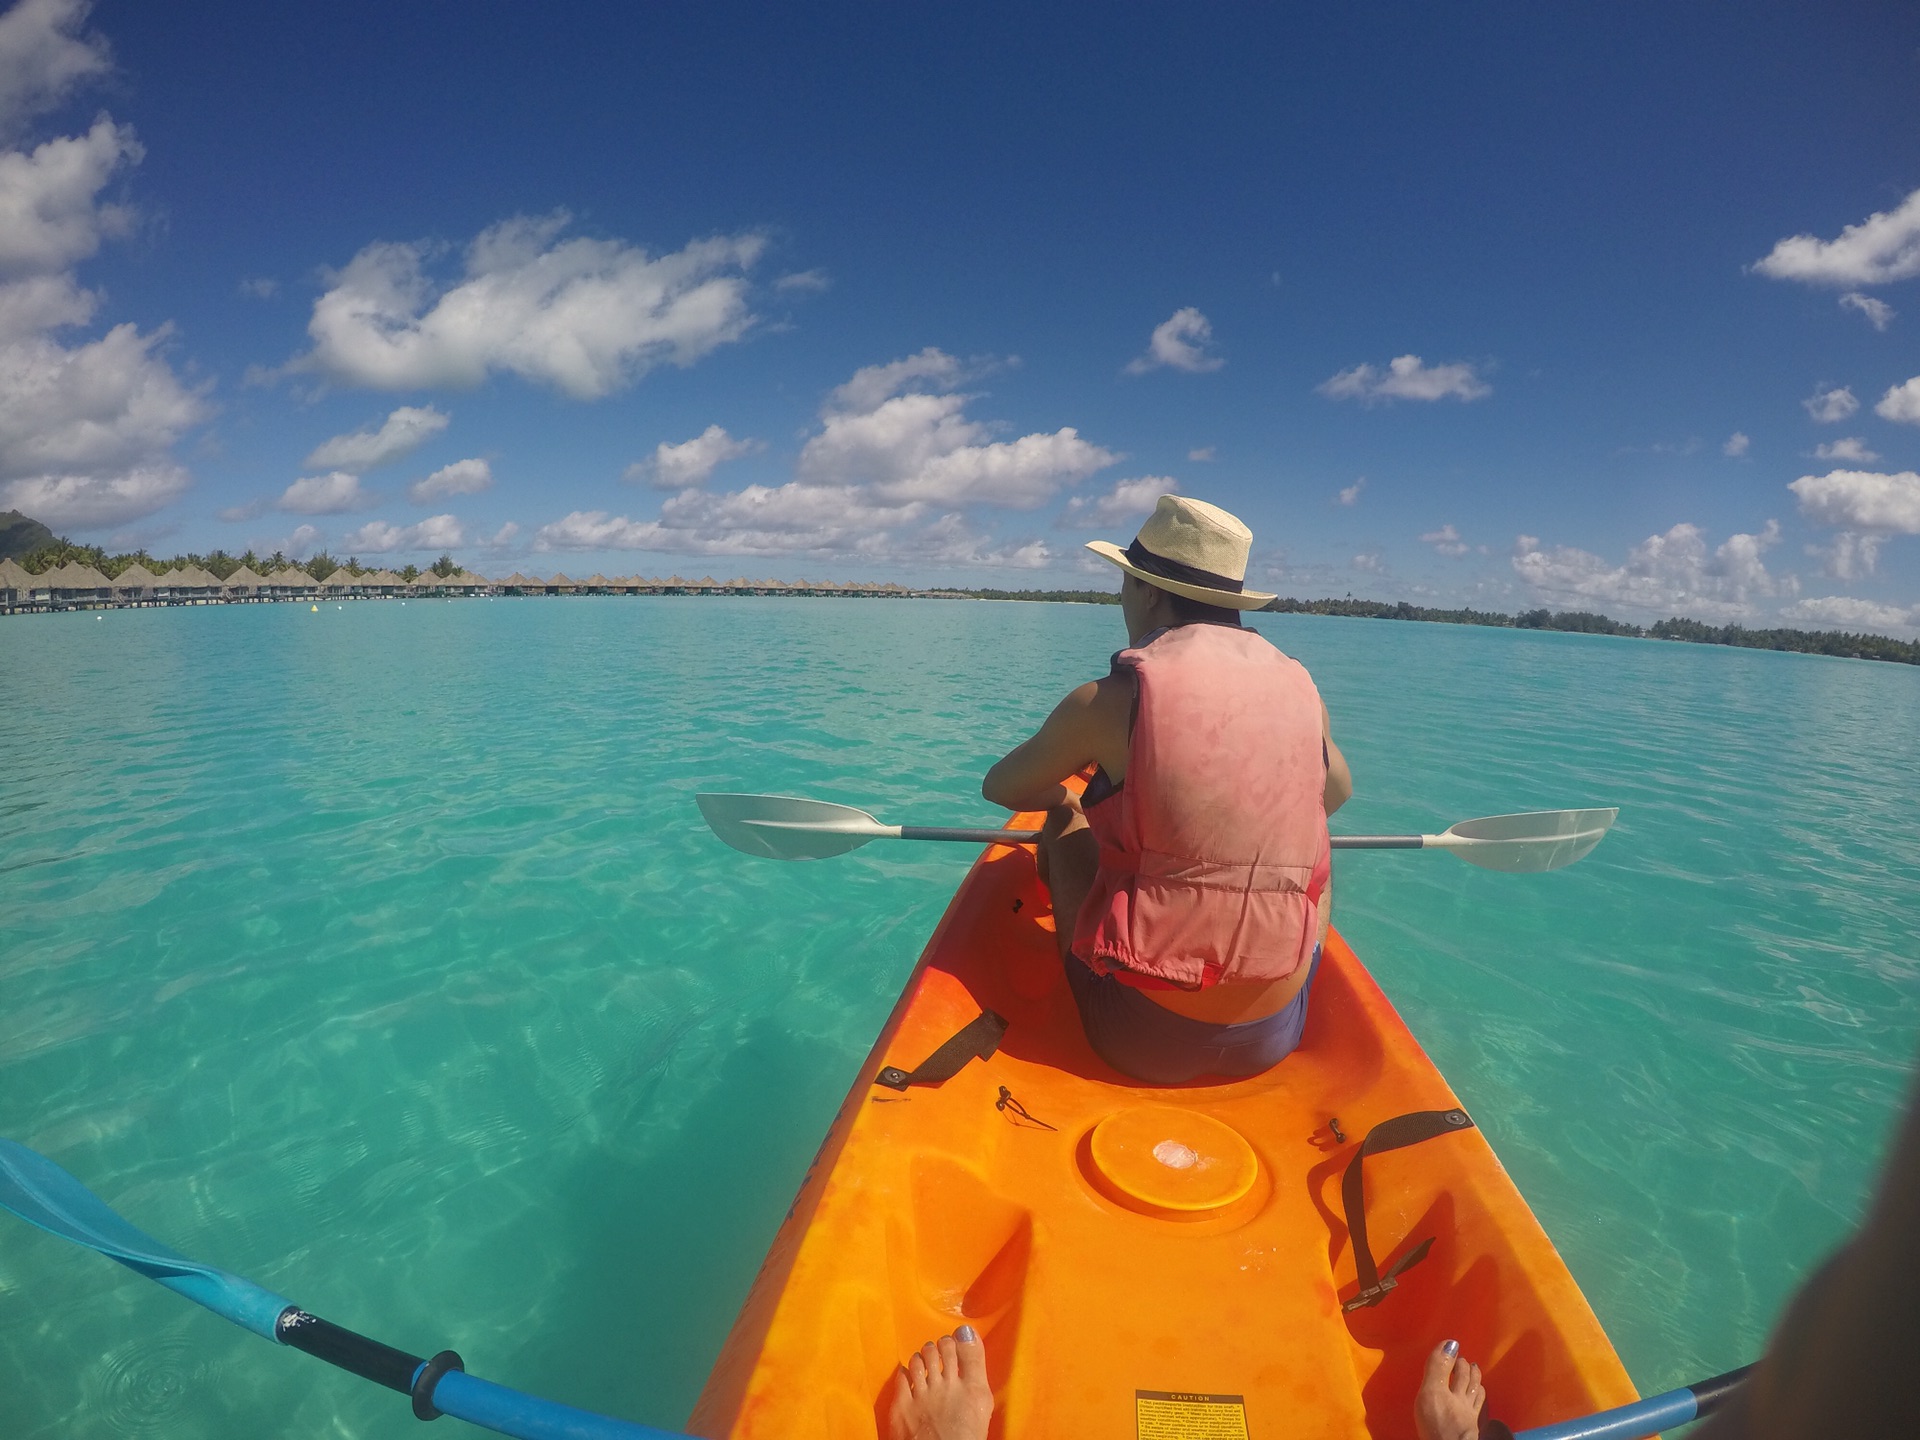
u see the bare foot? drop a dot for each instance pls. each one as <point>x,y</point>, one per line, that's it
<point>942,1392</point>
<point>1450,1398</point>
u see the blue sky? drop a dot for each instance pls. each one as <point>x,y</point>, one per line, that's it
<point>1492,304</point>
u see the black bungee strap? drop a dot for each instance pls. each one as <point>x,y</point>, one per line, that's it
<point>978,1039</point>
<point>1394,1134</point>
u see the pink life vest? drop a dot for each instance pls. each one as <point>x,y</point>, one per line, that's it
<point>1213,851</point>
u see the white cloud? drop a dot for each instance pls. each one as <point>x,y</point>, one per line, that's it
<point>87,502</point>
<point>1370,563</point>
<point>331,494</point>
<point>1203,454</point>
<point>793,519</point>
<point>585,316</point>
<point>502,537</point>
<point>259,287</point>
<point>1829,406</point>
<point>399,435</point>
<point>303,539</point>
<point>462,477</point>
<point>803,280</point>
<point>1126,502</point>
<point>691,462</point>
<point>1879,314</point>
<point>1737,445</point>
<point>1848,447</point>
<point>1846,612</point>
<point>103,407</point>
<point>1179,343</point>
<point>1350,494</point>
<point>1850,556</point>
<point>376,537</point>
<point>43,58</point>
<point>873,384</point>
<point>1407,377</point>
<point>240,514</point>
<point>885,478</point>
<point>1901,403</point>
<point>919,447</point>
<point>1883,247</point>
<point>49,215</point>
<point>1667,574</point>
<point>1446,541</point>
<point>86,430</point>
<point>1861,500</point>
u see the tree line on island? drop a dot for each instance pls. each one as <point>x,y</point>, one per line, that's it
<point>1582,622</point>
<point>17,534</point>
<point>217,563</point>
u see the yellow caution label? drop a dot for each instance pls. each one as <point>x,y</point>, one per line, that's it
<point>1181,1415</point>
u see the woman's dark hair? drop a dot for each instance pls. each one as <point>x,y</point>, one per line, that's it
<point>1197,612</point>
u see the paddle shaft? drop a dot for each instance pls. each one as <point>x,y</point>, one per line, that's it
<point>1645,1417</point>
<point>1027,837</point>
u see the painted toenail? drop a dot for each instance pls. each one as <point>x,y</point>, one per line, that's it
<point>1450,1349</point>
<point>967,1335</point>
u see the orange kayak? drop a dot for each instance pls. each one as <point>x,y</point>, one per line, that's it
<point>1210,1260</point>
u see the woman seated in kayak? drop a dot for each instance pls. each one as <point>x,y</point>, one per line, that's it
<point>1191,883</point>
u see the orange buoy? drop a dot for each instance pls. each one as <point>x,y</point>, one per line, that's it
<point>1150,1261</point>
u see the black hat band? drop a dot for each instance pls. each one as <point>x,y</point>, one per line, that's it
<point>1142,558</point>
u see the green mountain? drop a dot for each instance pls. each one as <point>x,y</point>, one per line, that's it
<point>20,536</point>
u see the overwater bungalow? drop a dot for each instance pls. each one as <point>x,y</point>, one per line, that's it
<point>560,584</point>
<point>243,584</point>
<point>15,585</point>
<point>76,584</point>
<point>135,584</point>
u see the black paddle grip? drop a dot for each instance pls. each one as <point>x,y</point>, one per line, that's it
<point>1708,1394</point>
<point>368,1359</point>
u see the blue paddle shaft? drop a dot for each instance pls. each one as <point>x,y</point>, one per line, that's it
<point>1645,1417</point>
<point>42,1194</point>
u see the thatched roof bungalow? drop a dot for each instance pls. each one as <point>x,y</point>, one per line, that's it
<point>559,584</point>
<point>243,582</point>
<point>16,585</point>
<point>136,582</point>
<point>74,583</point>
<point>195,582</point>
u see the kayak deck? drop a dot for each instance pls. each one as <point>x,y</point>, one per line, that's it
<point>1190,1287</point>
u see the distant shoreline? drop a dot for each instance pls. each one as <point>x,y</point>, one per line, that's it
<point>73,586</point>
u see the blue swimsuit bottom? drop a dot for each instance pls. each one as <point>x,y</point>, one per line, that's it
<point>1152,1043</point>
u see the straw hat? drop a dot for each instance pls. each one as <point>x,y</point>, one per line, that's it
<point>1190,548</point>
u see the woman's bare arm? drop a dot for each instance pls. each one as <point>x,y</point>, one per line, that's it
<point>1088,727</point>
<point>1339,778</point>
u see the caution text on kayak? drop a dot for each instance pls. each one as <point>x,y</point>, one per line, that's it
<point>1176,1415</point>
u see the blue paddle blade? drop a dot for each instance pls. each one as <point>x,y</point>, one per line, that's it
<point>41,1193</point>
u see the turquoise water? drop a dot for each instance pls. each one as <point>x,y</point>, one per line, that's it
<point>381,957</point>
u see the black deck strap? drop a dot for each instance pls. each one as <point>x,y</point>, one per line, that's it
<point>423,1406</point>
<point>368,1359</point>
<point>978,1039</point>
<point>1394,1134</point>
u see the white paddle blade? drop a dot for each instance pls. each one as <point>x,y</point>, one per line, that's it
<point>1525,844</point>
<point>785,827</point>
